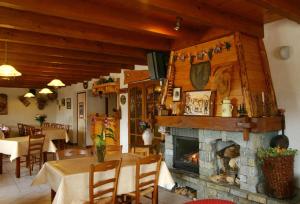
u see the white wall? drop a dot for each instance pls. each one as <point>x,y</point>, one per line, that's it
<point>286,77</point>
<point>17,112</point>
<point>69,116</point>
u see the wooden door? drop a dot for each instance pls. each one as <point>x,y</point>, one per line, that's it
<point>81,119</point>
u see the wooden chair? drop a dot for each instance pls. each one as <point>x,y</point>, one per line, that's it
<point>146,180</point>
<point>21,129</point>
<point>142,151</point>
<point>101,196</point>
<point>114,149</point>
<point>72,153</point>
<point>35,151</point>
<point>46,124</point>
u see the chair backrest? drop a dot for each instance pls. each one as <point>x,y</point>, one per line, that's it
<point>21,129</point>
<point>95,194</point>
<point>113,149</point>
<point>46,124</point>
<point>36,143</point>
<point>142,151</point>
<point>146,175</point>
<point>72,153</point>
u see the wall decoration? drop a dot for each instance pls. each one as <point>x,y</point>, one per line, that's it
<point>222,80</point>
<point>68,103</point>
<point>176,94</point>
<point>123,99</point>
<point>198,103</point>
<point>41,100</point>
<point>81,109</point>
<point>218,48</point>
<point>199,74</point>
<point>3,104</point>
<point>24,100</point>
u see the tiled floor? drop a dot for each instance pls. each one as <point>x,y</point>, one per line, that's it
<point>20,191</point>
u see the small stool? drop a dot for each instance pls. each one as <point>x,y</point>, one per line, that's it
<point>210,201</point>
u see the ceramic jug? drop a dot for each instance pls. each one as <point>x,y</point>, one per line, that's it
<point>227,108</point>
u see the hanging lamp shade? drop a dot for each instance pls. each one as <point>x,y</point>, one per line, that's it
<point>29,95</point>
<point>45,91</point>
<point>7,70</point>
<point>56,83</point>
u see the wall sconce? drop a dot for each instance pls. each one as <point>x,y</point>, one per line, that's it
<point>284,52</point>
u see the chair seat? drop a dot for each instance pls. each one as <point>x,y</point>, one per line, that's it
<point>142,192</point>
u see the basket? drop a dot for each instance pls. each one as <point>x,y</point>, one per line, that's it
<point>279,175</point>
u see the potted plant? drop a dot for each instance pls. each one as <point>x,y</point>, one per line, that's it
<point>41,118</point>
<point>147,133</point>
<point>278,168</point>
<point>101,143</point>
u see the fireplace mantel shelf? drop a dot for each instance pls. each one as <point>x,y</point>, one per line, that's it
<point>263,124</point>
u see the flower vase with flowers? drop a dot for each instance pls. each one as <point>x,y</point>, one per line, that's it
<point>40,118</point>
<point>100,142</point>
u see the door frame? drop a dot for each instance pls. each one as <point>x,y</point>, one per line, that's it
<point>85,114</point>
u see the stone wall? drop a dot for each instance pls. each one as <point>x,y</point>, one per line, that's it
<point>249,173</point>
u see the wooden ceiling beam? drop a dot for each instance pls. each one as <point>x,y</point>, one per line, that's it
<point>108,13</point>
<point>58,72</point>
<point>192,10</point>
<point>28,21</point>
<point>58,60</point>
<point>286,8</point>
<point>33,38</point>
<point>72,54</point>
<point>19,60</point>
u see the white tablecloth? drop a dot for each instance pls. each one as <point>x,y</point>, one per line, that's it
<point>70,179</point>
<point>18,146</point>
<point>55,133</point>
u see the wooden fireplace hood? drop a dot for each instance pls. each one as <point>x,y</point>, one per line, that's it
<point>239,71</point>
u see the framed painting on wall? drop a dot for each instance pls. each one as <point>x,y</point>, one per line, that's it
<point>3,104</point>
<point>176,94</point>
<point>68,103</point>
<point>199,103</point>
<point>81,110</point>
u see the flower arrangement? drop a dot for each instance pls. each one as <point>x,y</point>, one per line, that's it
<point>263,154</point>
<point>143,125</point>
<point>40,118</point>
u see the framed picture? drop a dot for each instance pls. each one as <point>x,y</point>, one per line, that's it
<point>68,103</point>
<point>3,104</point>
<point>176,94</point>
<point>81,109</point>
<point>199,103</point>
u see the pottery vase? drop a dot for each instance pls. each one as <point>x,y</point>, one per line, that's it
<point>147,136</point>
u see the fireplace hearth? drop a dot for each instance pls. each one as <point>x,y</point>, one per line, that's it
<point>186,153</point>
<point>213,148</point>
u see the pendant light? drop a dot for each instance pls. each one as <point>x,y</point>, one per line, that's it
<point>29,95</point>
<point>45,91</point>
<point>56,83</point>
<point>7,70</point>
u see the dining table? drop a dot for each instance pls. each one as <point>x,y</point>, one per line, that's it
<point>16,147</point>
<point>69,179</point>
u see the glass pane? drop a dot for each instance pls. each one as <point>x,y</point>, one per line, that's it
<point>132,140</point>
<point>132,126</point>
<point>139,109</point>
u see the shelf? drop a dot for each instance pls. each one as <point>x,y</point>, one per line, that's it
<point>264,124</point>
<point>107,88</point>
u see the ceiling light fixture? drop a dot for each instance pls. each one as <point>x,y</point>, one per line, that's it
<point>178,23</point>
<point>56,83</point>
<point>45,91</point>
<point>29,95</point>
<point>7,70</point>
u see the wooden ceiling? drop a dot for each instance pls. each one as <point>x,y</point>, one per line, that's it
<point>82,39</point>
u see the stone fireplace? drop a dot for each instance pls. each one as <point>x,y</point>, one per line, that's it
<point>209,143</point>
